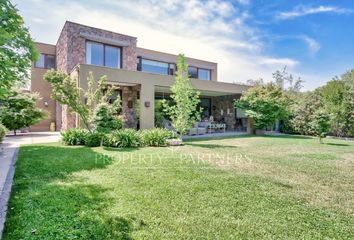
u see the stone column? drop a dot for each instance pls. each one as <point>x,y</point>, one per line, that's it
<point>129,96</point>
<point>147,106</point>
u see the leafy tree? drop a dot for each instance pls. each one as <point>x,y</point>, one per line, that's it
<point>17,50</point>
<point>264,104</point>
<point>302,109</point>
<point>348,79</point>
<point>338,101</point>
<point>19,110</point>
<point>321,124</point>
<point>66,92</point>
<point>183,113</point>
<point>105,120</point>
<point>286,81</point>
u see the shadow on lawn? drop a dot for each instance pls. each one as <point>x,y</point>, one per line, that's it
<point>47,200</point>
<point>338,144</point>
<point>211,146</point>
<point>112,149</point>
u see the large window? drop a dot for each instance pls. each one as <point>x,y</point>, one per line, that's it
<point>204,74</point>
<point>199,73</point>
<point>153,66</point>
<point>103,55</point>
<point>193,72</point>
<point>45,61</point>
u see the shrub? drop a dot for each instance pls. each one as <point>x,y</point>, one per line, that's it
<point>3,131</point>
<point>156,137</point>
<point>124,138</point>
<point>74,136</point>
<point>93,139</point>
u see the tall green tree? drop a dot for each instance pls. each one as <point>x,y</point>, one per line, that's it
<point>338,100</point>
<point>17,50</point>
<point>184,112</point>
<point>19,110</point>
<point>66,92</point>
<point>264,104</point>
<point>302,111</point>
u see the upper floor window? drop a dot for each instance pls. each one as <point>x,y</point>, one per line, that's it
<point>199,73</point>
<point>45,61</point>
<point>152,66</point>
<point>204,74</point>
<point>193,72</point>
<point>103,55</point>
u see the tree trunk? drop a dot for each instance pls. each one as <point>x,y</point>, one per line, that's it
<point>15,132</point>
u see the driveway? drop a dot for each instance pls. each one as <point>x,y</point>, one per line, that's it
<point>8,156</point>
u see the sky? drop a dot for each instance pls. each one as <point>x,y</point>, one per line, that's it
<point>249,39</point>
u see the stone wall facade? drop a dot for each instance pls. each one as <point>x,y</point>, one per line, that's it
<point>71,46</point>
<point>223,110</point>
<point>129,106</point>
<point>71,51</point>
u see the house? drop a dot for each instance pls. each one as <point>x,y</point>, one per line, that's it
<point>140,75</point>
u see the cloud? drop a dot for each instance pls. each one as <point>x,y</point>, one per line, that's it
<point>312,44</point>
<point>214,30</point>
<point>301,10</point>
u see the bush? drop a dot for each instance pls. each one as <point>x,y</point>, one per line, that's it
<point>124,138</point>
<point>93,139</point>
<point>3,131</point>
<point>156,137</point>
<point>74,136</point>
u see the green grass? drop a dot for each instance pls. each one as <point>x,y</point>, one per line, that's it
<point>232,188</point>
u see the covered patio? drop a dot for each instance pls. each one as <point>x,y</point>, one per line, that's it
<point>140,91</point>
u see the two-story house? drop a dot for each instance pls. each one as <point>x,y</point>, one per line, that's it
<point>140,75</point>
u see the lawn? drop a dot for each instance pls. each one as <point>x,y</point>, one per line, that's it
<point>242,187</point>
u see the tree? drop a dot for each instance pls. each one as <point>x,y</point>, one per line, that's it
<point>286,81</point>
<point>302,110</point>
<point>338,100</point>
<point>66,92</point>
<point>19,110</point>
<point>183,113</point>
<point>105,119</point>
<point>17,50</point>
<point>321,124</point>
<point>264,104</point>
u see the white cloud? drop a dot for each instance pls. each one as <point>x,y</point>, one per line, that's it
<point>213,30</point>
<point>303,11</point>
<point>312,44</point>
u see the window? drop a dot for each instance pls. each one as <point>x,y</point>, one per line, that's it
<point>203,74</point>
<point>193,72</point>
<point>151,66</point>
<point>103,55</point>
<point>111,57</point>
<point>45,61</point>
<point>172,68</point>
<point>50,59</point>
<point>199,73</point>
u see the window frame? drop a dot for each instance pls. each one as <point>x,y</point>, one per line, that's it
<point>104,53</point>
<point>45,63</point>
<point>205,70</point>
<point>140,66</point>
<point>199,68</point>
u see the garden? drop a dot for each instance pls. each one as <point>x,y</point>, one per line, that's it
<point>246,187</point>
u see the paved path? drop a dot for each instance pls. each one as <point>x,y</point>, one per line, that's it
<point>8,156</point>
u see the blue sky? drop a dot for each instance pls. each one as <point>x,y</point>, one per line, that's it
<point>249,39</point>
